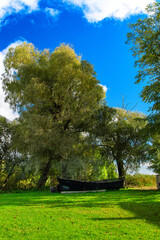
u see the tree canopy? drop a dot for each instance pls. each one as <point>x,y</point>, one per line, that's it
<point>56,93</point>
<point>123,140</point>
<point>144,38</point>
<point>64,124</point>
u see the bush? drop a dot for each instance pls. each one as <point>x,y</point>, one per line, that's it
<point>140,180</point>
<point>27,184</point>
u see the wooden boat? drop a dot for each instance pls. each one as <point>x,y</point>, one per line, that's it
<point>73,185</point>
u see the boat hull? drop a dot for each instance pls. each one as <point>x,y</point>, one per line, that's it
<point>73,185</point>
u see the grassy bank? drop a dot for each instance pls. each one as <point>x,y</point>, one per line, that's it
<point>124,214</point>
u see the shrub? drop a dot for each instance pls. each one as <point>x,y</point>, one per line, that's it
<point>27,184</point>
<point>140,180</point>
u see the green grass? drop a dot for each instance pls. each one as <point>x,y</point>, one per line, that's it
<point>124,214</point>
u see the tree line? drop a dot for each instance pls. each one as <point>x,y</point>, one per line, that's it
<point>65,126</point>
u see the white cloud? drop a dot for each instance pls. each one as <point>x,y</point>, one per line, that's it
<point>104,88</point>
<point>8,7</point>
<point>97,10</point>
<point>4,107</point>
<point>52,12</point>
<point>144,169</point>
<point>94,10</point>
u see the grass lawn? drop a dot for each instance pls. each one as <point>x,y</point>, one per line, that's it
<point>124,214</point>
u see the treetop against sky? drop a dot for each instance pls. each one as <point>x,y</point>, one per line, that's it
<point>96,29</point>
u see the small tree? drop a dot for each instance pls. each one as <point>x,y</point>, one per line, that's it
<point>124,141</point>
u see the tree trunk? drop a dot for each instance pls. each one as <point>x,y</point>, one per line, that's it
<point>120,166</point>
<point>44,174</point>
<point>121,171</point>
<point>8,176</point>
<point>119,157</point>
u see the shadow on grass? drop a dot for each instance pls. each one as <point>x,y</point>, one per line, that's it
<point>111,219</point>
<point>122,198</point>
<point>149,210</point>
<point>145,204</point>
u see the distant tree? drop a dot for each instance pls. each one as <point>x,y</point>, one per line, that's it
<point>5,151</point>
<point>145,41</point>
<point>124,140</point>
<point>56,93</point>
<point>5,133</point>
<point>10,158</point>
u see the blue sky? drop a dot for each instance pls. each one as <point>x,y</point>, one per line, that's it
<point>96,29</point>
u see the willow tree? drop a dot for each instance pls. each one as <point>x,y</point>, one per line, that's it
<point>56,93</point>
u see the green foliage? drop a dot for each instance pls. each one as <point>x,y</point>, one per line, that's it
<point>111,171</point>
<point>56,95</point>
<point>145,42</point>
<point>5,139</point>
<point>126,214</point>
<point>86,164</point>
<point>155,162</point>
<point>123,140</point>
<point>12,180</point>
<point>140,180</point>
<point>11,161</point>
<point>144,37</point>
<point>17,181</point>
<point>27,184</point>
<point>155,153</point>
